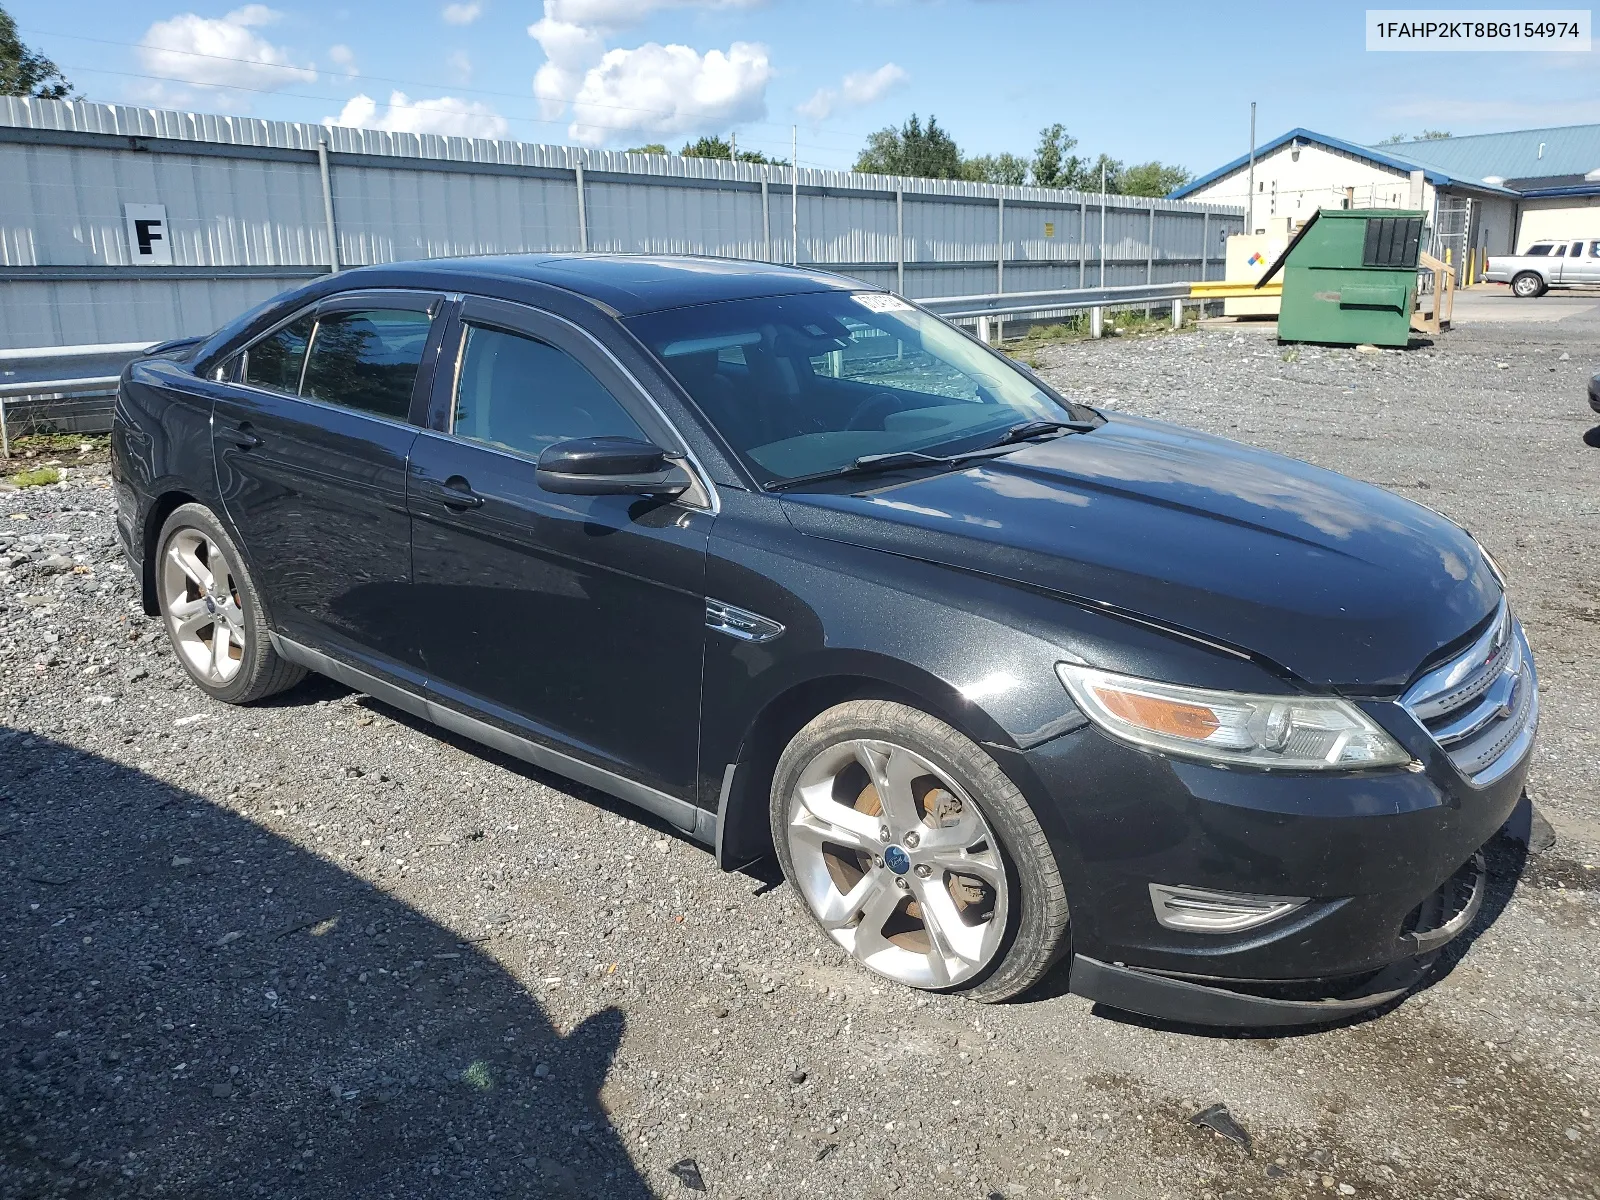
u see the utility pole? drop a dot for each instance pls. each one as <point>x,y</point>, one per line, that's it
<point>733,146</point>
<point>794,197</point>
<point>1250,187</point>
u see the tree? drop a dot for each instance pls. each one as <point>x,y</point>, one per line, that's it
<point>715,147</point>
<point>24,72</point>
<point>1153,179</point>
<point>995,168</point>
<point>1427,135</point>
<point>649,148</point>
<point>1054,164</point>
<point>928,152</point>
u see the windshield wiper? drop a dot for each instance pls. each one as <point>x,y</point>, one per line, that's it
<point>897,459</point>
<point>869,463</point>
<point>1033,429</point>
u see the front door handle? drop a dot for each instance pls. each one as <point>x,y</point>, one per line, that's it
<point>455,492</point>
<point>242,438</point>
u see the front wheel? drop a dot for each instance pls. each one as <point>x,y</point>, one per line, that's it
<point>213,613</point>
<point>916,854</point>
<point>1528,285</point>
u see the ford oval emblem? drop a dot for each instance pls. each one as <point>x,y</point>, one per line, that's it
<point>897,860</point>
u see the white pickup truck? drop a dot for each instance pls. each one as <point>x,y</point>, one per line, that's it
<point>1545,265</point>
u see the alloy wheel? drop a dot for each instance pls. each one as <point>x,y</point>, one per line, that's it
<point>204,612</point>
<point>897,863</point>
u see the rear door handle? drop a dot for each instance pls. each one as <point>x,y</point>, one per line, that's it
<point>454,492</point>
<point>242,438</point>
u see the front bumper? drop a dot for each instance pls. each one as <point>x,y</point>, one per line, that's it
<point>1390,860</point>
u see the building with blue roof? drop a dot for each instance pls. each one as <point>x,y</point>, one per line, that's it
<point>1492,193</point>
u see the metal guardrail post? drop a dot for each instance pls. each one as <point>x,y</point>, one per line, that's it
<point>900,240</point>
<point>1177,314</point>
<point>766,219</point>
<point>5,433</point>
<point>583,214</point>
<point>1097,316</point>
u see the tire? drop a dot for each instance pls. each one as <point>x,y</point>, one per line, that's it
<point>223,645</point>
<point>1000,917</point>
<point>1528,285</point>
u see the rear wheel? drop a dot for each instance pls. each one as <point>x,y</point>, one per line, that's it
<point>1528,285</point>
<point>213,613</point>
<point>916,854</point>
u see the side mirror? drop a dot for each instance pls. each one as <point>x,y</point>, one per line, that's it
<point>610,466</point>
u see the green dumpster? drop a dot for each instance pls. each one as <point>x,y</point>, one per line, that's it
<point>1350,277</point>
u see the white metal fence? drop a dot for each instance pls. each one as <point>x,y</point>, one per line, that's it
<point>246,208</point>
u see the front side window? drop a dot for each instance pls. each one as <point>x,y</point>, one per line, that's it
<point>523,395</point>
<point>275,361</point>
<point>809,383</point>
<point>1594,249</point>
<point>367,360</point>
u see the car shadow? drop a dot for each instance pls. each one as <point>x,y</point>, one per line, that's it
<point>1506,856</point>
<point>1591,437</point>
<point>191,1005</point>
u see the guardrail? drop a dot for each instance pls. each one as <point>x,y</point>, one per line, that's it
<point>999,305</point>
<point>36,380</point>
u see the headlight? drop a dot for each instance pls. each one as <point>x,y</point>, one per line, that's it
<point>1299,733</point>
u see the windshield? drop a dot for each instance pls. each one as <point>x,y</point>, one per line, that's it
<point>800,385</point>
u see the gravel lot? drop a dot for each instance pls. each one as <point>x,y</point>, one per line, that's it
<point>314,948</point>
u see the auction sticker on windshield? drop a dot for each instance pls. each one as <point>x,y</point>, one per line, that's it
<point>880,302</point>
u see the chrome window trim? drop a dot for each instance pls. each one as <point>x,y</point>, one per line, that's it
<point>713,501</point>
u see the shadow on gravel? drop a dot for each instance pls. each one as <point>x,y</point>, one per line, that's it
<point>191,1006</point>
<point>1591,437</point>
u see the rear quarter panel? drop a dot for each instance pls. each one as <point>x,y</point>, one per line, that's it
<point>160,452</point>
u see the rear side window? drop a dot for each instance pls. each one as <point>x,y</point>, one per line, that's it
<point>1538,251</point>
<point>1559,252</point>
<point>367,360</point>
<point>274,362</point>
<point>524,395</point>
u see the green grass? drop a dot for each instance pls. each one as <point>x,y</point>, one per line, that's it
<point>37,477</point>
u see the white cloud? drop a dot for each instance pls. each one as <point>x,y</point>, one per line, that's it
<point>649,89</point>
<point>462,14</point>
<point>857,89</point>
<point>445,115</point>
<point>344,58</point>
<point>460,63</point>
<point>669,90</point>
<point>218,51</point>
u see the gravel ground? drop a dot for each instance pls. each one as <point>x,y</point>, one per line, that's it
<point>314,948</point>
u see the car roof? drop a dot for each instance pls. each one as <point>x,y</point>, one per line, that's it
<point>629,284</point>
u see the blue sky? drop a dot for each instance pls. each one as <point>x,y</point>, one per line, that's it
<point>1139,81</point>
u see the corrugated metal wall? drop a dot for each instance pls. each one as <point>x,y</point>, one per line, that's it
<point>244,206</point>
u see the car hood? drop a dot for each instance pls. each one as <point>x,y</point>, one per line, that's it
<point>1339,582</point>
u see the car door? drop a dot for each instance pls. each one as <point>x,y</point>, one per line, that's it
<point>311,441</point>
<point>1590,270</point>
<point>577,621</point>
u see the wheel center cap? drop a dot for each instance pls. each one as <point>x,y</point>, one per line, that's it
<point>897,860</point>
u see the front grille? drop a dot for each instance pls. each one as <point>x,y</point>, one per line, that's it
<point>1482,706</point>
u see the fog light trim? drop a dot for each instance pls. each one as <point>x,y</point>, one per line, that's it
<point>1201,910</point>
